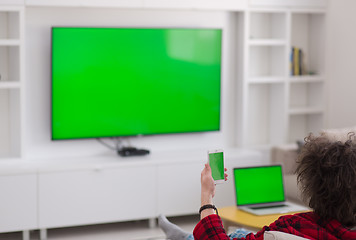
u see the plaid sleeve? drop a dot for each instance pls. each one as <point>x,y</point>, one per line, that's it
<point>307,225</point>
<point>301,225</point>
<point>210,228</point>
<point>311,226</point>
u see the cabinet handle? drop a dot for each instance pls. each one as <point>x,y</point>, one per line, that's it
<point>98,168</point>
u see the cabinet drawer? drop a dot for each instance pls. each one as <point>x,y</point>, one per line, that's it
<point>179,188</point>
<point>96,196</point>
<point>18,206</point>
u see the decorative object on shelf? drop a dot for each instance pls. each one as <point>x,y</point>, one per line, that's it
<point>297,63</point>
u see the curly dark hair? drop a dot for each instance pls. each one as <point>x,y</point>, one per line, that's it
<point>327,177</point>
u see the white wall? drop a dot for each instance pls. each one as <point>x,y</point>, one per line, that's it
<point>39,21</point>
<point>341,63</point>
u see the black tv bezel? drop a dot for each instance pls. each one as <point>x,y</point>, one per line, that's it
<point>137,135</point>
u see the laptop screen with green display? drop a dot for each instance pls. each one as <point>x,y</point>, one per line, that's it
<point>259,185</point>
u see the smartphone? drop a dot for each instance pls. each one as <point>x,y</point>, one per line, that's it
<point>216,162</point>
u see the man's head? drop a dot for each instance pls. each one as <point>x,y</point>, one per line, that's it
<point>327,177</point>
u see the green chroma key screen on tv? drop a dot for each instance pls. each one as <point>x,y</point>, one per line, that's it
<point>110,82</point>
<point>256,185</point>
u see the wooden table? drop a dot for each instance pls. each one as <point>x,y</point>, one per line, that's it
<point>232,216</point>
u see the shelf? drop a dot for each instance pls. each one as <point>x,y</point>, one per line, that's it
<point>301,125</point>
<point>301,111</point>
<point>11,18</point>
<point>267,61</point>
<point>267,42</point>
<point>9,23</point>
<point>10,61</point>
<point>10,122</point>
<point>9,85</point>
<point>265,114</point>
<point>307,79</point>
<point>308,34</point>
<point>267,80</point>
<point>306,97</point>
<point>9,42</point>
<point>267,25</point>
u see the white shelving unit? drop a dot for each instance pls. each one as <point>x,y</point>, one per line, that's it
<point>11,89</point>
<point>277,107</point>
<point>306,110</point>
<point>19,208</point>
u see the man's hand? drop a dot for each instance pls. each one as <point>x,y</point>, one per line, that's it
<point>207,189</point>
<point>207,185</point>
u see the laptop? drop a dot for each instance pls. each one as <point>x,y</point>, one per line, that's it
<point>260,191</point>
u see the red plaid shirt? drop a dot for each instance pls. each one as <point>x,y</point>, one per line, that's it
<point>307,225</point>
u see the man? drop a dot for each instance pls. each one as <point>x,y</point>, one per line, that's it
<point>327,178</point>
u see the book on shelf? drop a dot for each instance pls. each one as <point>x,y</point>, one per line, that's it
<point>297,63</point>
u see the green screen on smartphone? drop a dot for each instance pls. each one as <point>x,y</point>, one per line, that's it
<point>259,185</point>
<point>216,162</point>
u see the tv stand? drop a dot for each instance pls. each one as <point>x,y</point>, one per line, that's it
<point>132,151</point>
<point>82,190</point>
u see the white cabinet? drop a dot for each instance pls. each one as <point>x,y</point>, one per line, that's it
<point>86,3</point>
<point>278,106</point>
<point>18,206</point>
<point>103,190</point>
<point>11,89</point>
<point>75,191</point>
<point>98,195</point>
<point>179,188</point>
<point>288,3</point>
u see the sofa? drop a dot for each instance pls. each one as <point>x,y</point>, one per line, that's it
<point>287,155</point>
<point>275,235</point>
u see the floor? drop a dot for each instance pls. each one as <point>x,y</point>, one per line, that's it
<point>135,230</point>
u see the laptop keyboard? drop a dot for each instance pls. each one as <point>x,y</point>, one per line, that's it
<point>275,206</point>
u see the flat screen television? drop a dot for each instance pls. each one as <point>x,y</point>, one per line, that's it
<point>112,82</point>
